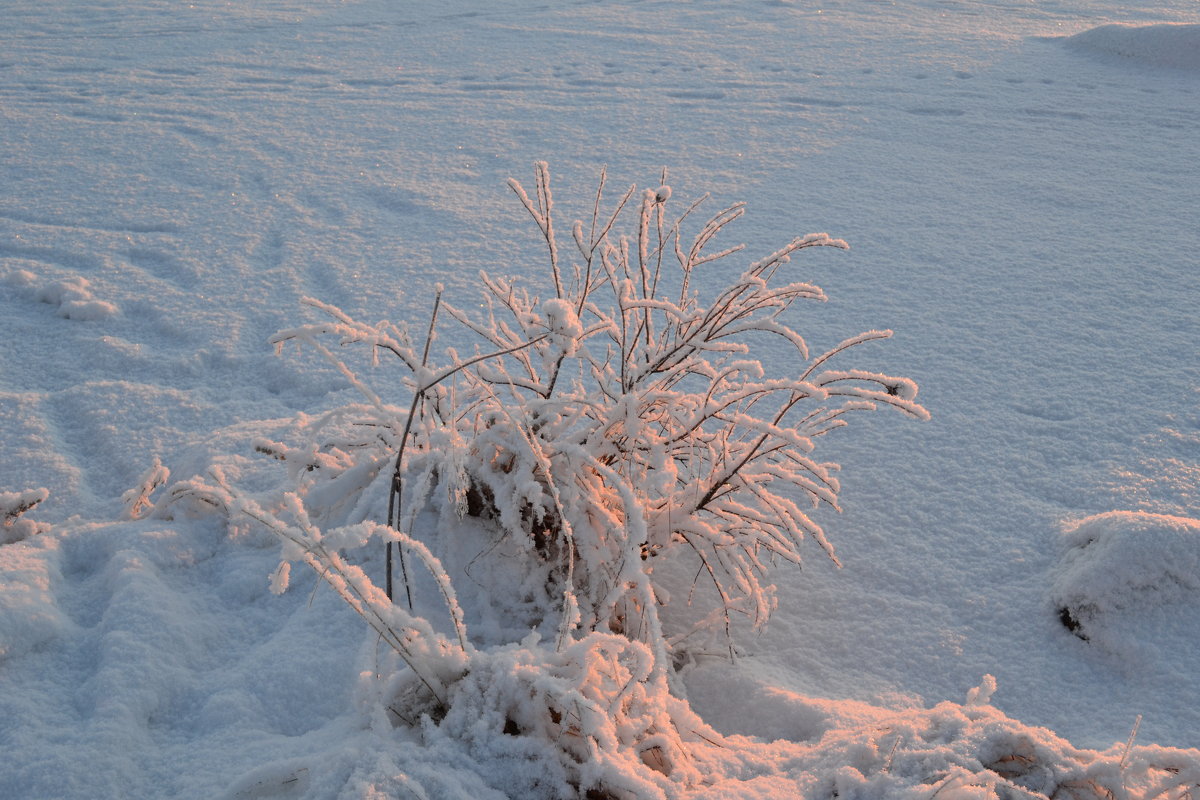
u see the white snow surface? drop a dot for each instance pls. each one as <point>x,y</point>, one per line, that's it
<point>1175,45</point>
<point>1128,570</point>
<point>1022,214</point>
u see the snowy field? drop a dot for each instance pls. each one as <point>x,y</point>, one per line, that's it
<point>1019,186</point>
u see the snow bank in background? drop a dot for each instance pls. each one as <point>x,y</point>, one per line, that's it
<point>1166,45</point>
<point>1122,566</point>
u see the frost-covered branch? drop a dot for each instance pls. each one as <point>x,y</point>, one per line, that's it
<point>12,506</point>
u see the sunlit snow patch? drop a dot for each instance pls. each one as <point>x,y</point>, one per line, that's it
<point>1164,45</point>
<point>1119,567</point>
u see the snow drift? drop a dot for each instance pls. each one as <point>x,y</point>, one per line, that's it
<point>1165,45</point>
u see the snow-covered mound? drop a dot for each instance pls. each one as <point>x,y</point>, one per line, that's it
<point>1125,564</point>
<point>71,296</point>
<point>1164,45</point>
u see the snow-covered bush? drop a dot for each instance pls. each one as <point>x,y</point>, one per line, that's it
<point>611,419</point>
<point>608,422</point>
<point>608,425</point>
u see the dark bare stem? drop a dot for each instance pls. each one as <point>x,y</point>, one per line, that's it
<point>396,490</point>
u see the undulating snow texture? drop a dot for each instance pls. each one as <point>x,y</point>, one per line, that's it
<point>1018,184</point>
